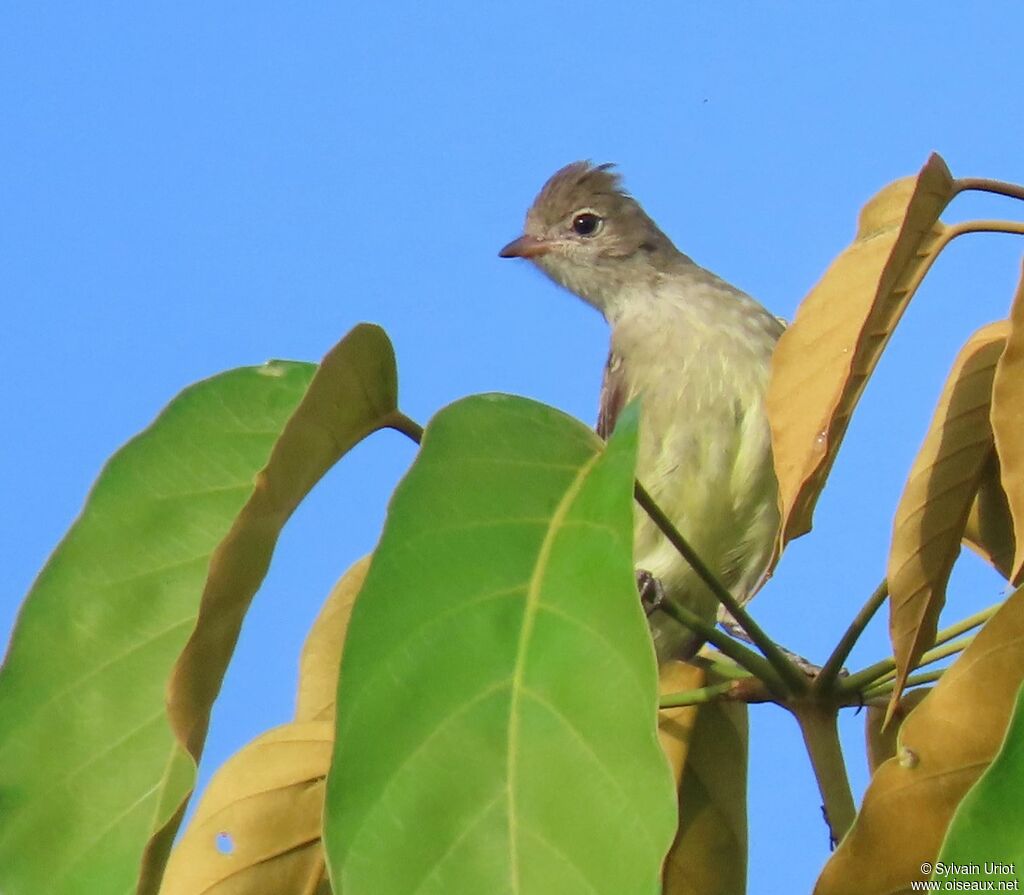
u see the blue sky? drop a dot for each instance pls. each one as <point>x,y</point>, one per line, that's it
<point>191,187</point>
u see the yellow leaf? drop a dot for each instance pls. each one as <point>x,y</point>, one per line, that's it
<point>989,529</point>
<point>321,655</point>
<point>1008,424</point>
<point>932,513</point>
<point>824,359</point>
<point>881,737</point>
<point>269,796</point>
<point>943,746</point>
<point>675,725</point>
<point>257,828</point>
<point>707,749</point>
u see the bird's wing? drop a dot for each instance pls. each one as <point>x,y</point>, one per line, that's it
<point>613,395</point>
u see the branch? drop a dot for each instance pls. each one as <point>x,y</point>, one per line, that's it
<point>695,697</point>
<point>794,679</point>
<point>935,654</point>
<point>962,627</point>
<point>885,691</point>
<point>947,234</point>
<point>742,656</point>
<point>830,670</point>
<point>1011,190</point>
<point>881,671</point>
<point>821,736</point>
<point>964,227</point>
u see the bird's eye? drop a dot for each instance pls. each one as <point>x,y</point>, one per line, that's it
<point>586,223</point>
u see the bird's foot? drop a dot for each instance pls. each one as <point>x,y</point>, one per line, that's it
<point>652,593</point>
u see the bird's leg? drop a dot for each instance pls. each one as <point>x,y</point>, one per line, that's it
<point>652,593</point>
<point>730,625</point>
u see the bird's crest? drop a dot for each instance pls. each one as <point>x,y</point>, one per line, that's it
<point>577,185</point>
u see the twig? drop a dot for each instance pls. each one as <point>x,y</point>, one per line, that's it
<point>744,657</point>
<point>695,697</point>
<point>879,671</point>
<point>986,226</point>
<point>830,670</point>
<point>401,423</point>
<point>1012,190</point>
<point>961,627</point>
<point>935,654</point>
<point>927,677</point>
<point>795,681</point>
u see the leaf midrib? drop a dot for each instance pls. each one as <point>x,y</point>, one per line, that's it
<point>517,687</point>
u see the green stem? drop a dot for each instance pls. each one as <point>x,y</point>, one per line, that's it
<point>867,676</point>
<point>933,655</point>
<point>744,657</point>
<point>820,730</point>
<point>830,670</point>
<point>927,677</point>
<point>962,627</point>
<point>695,697</point>
<point>401,423</point>
<point>873,674</point>
<point>795,680</point>
<point>723,667</point>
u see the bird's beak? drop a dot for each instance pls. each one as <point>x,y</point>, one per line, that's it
<point>525,247</point>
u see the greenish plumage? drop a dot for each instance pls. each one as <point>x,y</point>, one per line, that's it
<point>696,351</point>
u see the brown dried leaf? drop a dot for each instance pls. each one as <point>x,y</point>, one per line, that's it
<point>321,655</point>
<point>944,745</point>
<point>825,357</point>
<point>1008,424</point>
<point>707,748</point>
<point>932,512</point>
<point>881,737</point>
<point>989,529</point>
<point>257,828</point>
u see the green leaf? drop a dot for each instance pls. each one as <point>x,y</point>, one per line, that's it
<point>988,826</point>
<point>122,643</point>
<point>497,712</point>
<point>84,735</point>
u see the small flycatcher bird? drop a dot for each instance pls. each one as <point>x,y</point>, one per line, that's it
<point>696,351</point>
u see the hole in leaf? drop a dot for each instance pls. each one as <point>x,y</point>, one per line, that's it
<point>225,844</point>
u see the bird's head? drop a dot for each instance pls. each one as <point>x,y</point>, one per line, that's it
<point>587,233</point>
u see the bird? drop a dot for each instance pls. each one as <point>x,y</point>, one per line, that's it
<point>696,351</point>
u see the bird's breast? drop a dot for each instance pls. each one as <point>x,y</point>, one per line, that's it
<point>705,450</point>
